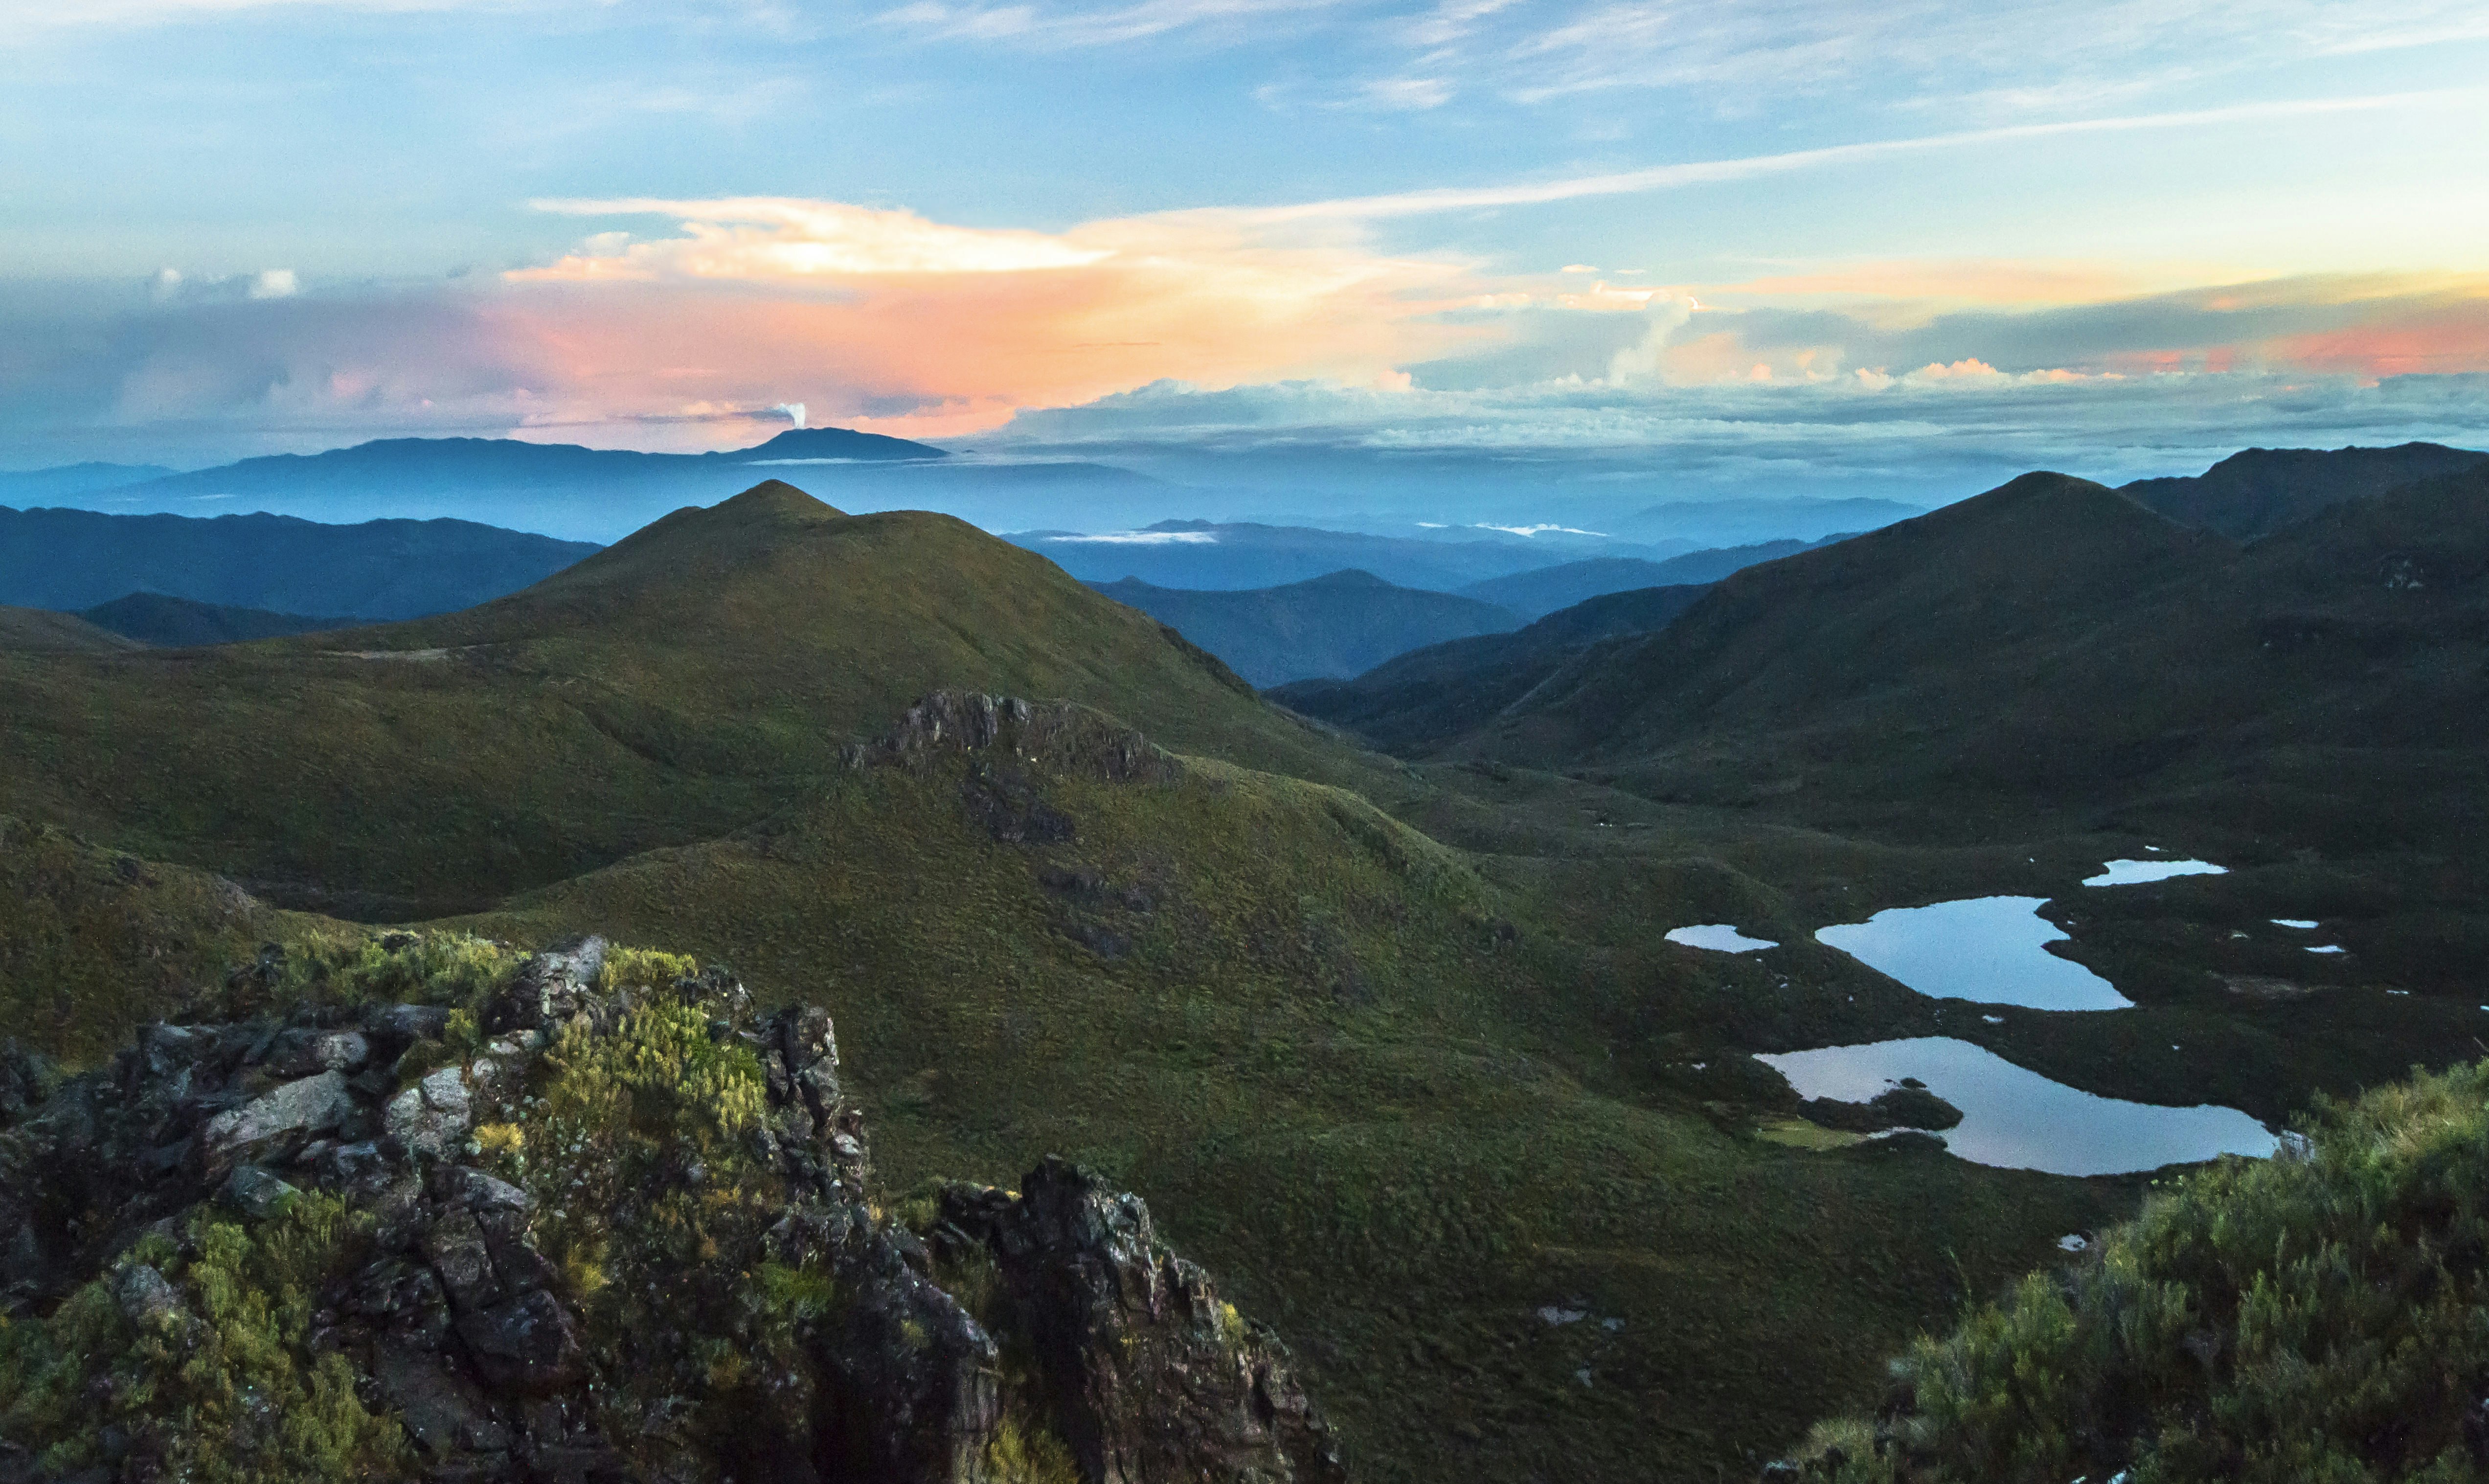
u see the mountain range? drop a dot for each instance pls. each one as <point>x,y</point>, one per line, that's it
<point>1342,624</point>
<point>1543,590</point>
<point>1426,696</point>
<point>2258,491</point>
<point>1404,1046</point>
<point>592,495</point>
<point>74,559</point>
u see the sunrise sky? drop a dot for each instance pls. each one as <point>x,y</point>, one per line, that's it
<point>1767,243</point>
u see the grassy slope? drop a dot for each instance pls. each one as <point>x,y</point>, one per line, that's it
<point>1396,1133</point>
<point>2049,647</point>
<point>1399,1163</point>
<point>1342,624</point>
<point>1417,702</point>
<point>94,943</point>
<point>41,631</point>
<point>669,689</point>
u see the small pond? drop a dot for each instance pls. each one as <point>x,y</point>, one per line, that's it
<point>2017,1119</point>
<point>2137,872</point>
<point>1719,937</point>
<point>1981,948</point>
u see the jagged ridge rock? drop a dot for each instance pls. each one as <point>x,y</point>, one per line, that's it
<point>628,1237</point>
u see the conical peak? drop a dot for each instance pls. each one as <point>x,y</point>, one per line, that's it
<point>776,499</point>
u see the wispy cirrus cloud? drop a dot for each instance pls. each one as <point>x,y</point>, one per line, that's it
<point>1433,200</point>
<point>1074,26</point>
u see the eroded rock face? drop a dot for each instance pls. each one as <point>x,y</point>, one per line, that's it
<point>1155,1379</point>
<point>502,1364</point>
<point>1059,733</point>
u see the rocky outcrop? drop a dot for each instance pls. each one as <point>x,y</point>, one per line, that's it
<point>541,1268</point>
<point>1060,734</point>
<point>1909,1105</point>
<point>1153,1377</point>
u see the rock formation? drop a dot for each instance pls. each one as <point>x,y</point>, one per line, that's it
<point>603,1221</point>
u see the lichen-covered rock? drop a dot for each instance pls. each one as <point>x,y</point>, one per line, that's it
<point>427,1118</point>
<point>276,1125</point>
<point>596,1221</point>
<point>550,989</point>
<point>1155,1377</point>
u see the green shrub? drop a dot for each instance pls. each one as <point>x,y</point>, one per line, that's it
<point>2315,1318</point>
<point>222,1393</point>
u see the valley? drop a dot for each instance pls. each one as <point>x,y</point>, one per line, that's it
<point>1371,992</point>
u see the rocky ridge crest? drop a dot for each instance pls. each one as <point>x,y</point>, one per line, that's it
<point>602,1220</point>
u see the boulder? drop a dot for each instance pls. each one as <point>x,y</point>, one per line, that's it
<point>550,989</point>
<point>529,1343</point>
<point>427,1118</point>
<point>305,1050</point>
<point>274,1126</point>
<point>255,1192</point>
<point>148,1300</point>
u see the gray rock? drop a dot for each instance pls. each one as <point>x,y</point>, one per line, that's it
<point>454,1246</point>
<point>441,1407</point>
<point>148,1300</point>
<point>407,1024</point>
<point>480,1192</point>
<point>302,1051</point>
<point>550,989</point>
<point>1154,1375</point>
<point>427,1117</point>
<point>255,1192</point>
<point>283,1119</point>
<point>529,1343</point>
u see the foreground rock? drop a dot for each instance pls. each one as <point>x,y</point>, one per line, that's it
<point>601,1222</point>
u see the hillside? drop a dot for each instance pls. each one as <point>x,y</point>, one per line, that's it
<point>1544,591</point>
<point>1342,624</point>
<point>171,623</point>
<point>74,559</point>
<point>1929,629</point>
<point>2053,643</point>
<point>676,686</point>
<point>1394,1123</point>
<point>2258,491</point>
<point>2315,1317</point>
<point>1421,699</point>
<point>41,631</point>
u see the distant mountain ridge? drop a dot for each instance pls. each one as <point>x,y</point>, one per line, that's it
<point>2055,644</point>
<point>41,631</point>
<point>2259,490</point>
<point>1427,697</point>
<point>1546,590</point>
<point>1241,555</point>
<point>178,623</point>
<point>1340,625</point>
<point>572,492</point>
<point>73,560</point>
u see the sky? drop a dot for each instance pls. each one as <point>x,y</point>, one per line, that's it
<point>1763,247</point>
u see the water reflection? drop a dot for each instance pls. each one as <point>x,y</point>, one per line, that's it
<point>1719,937</point>
<point>2017,1119</point>
<point>2137,872</point>
<point>1984,948</point>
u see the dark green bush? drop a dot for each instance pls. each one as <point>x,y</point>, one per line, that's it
<point>2323,1315</point>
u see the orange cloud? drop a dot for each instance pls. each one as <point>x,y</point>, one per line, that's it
<point>886,320</point>
<point>2445,337</point>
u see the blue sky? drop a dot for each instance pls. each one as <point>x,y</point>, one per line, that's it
<point>1760,244</point>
